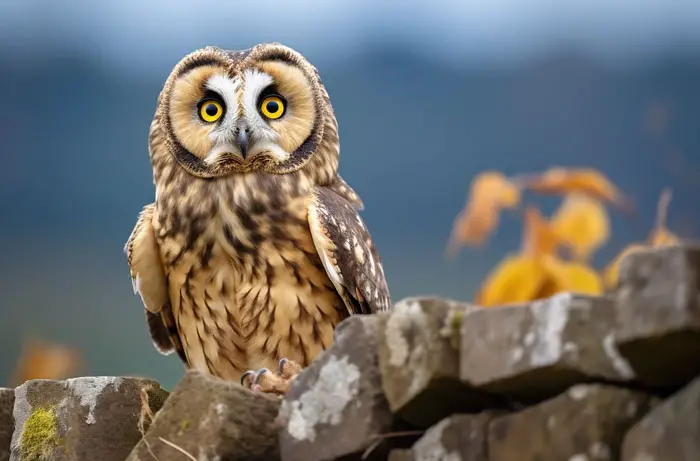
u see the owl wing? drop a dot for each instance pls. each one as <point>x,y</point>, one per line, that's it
<point>340,187</point>
<point>348,253</point>
<point>148,279</point>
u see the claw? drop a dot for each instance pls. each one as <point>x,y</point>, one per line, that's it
<point>263,380</point>
<point>245,375</point>
<point>258,374</point>
<point>288,369</point>
<point>280,366</point>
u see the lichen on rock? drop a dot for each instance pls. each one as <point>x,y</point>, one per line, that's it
<point>325,401</point>
<point>40,436</point>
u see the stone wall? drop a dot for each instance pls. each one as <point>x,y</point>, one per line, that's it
<point>570,378</point>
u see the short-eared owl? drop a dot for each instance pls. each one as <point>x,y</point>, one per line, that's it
<point>253,250</point>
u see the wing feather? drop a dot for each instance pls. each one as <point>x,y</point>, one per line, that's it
<point>149,281</point>
<point>348,253</point>
<point>340,187</point>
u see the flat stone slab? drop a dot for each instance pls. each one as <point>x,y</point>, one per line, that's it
<point>7,422</point>
<point>658,308</point>
<point>92,418</point>
<point>419,344</point>
<point>669,432</point>
<point>336,406</point>
<point>587,422</point>
<point>535,351</point>
<point>457,438</point>
<point>212,419</point>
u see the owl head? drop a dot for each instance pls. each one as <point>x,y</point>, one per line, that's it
<point>263,109</point>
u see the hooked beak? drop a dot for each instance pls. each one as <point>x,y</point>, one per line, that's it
<point>242,141</point>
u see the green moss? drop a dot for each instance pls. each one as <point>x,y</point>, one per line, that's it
<point>40,435</point>
<point>456,317</point>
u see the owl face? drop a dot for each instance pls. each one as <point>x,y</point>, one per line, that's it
<point>236,112</point>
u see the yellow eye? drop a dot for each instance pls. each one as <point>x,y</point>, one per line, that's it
<point>272,107</point>
<point>210,110</point>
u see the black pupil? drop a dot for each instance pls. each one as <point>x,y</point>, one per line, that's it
<point>211,110</point>
<point>272,107</point>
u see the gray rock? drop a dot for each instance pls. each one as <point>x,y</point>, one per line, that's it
<point>401,455</point>
<point>336,407</point>
<point>212,419</point>
<point>535,351</point>
<point>457,438</point>
<point>419,346</point>
<point>587,422</point>
<point>670,432</point>
<point>95,418</point>
<point>7,422</point>
<point>659,314</point>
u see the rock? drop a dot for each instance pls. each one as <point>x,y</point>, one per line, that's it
<point>457,438</point>
<point>587,422</point>
<point>670,432</point>
<point>401,455</point>
<point>7,422</point>
<point>336,406</point>
<point>77,419</point>
<point>210,419</point>
<point>659,314</point>
<point>535,351</point>
<point>419,361</point>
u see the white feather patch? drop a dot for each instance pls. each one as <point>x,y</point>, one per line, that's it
<point>228,89</point>
<point>255,83</point>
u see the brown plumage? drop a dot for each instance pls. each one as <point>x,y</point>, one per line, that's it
<point>253,250</point>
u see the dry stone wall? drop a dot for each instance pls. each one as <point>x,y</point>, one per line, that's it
<point>570,378</point>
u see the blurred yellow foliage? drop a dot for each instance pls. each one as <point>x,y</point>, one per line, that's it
<point>536,272</point>
<point>489,193</point>
<point>518,278</point>
<point>581,225</point>
<point>583,181</point>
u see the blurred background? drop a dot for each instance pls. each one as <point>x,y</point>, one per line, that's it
<point>427,96</point>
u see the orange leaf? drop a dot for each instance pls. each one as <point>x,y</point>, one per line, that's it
<point>489,193</point>
<point>587,181</point>
<point>516,279</point>
<point>538,237</point>
<point>573,277</point>
<point>41,360</point>
<point>581,223</point>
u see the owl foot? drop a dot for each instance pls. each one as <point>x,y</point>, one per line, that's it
<point>263,380</point>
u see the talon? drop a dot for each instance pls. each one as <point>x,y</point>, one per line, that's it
<point>288,369</point>
<point>280,366</point>
<point>258,374</point>
<point>245,375</point>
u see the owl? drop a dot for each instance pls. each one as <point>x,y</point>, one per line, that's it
<point>253,250</point>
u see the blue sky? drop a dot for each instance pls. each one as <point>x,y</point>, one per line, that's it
<point>143,35</point>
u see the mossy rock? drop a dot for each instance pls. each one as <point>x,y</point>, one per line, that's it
<point>40,436</point>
